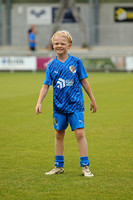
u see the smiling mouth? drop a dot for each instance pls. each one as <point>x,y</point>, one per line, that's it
<point>59,50</point>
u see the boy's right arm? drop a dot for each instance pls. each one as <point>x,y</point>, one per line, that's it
<point>42,94</point>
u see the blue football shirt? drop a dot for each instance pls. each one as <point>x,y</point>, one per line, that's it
<point>32,37</point>
<point>67,90</point>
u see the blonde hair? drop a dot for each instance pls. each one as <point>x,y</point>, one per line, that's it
<point>64,34</point>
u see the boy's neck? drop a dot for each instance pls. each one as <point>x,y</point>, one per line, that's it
<point>62,58</point>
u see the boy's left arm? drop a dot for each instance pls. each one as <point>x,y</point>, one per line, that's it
<point>87,88</point>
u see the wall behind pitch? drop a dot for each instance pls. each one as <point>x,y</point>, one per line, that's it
<point>110,32</point>
<point>20,26</point>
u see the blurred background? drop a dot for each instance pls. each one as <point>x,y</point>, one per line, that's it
<point>102,33</point>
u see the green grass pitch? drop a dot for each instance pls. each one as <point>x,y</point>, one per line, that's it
<point>27,141</point>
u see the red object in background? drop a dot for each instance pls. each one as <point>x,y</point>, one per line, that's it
<point>43,62</point>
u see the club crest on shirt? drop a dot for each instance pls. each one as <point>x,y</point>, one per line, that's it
<point>55,121</point>
<point>72,69</point>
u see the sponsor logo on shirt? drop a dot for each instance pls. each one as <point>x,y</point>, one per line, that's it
<point>61,83</point>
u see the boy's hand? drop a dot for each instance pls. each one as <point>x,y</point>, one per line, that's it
<point>93,106</point>
<point>38,109</point>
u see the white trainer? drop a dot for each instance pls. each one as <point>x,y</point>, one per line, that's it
<point>86,172</point>
<point>56,170</point>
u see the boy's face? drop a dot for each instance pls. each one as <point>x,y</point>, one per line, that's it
<point>61,45</point>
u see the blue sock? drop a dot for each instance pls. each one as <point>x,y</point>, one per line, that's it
<point>59,161</point>
<point>84,161</point>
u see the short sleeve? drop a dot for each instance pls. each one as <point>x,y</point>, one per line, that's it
<point>47,80</point>
<point>81,70</point>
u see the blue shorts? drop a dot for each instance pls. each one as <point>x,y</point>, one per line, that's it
<point>61,120</point>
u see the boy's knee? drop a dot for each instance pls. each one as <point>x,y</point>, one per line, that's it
<point>79,133</point>
<point>59,134</point>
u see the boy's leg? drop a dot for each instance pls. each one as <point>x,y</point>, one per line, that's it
<point>76,121</point>
<point>82,144</point>
<point>59,150</point>
<point>59,142</point>
<point>60,124</point>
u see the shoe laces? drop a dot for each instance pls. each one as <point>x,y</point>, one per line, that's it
<point>53,169</point>
<point>87,169</point>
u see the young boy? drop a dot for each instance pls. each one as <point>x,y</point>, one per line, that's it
<point>67,75</point>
